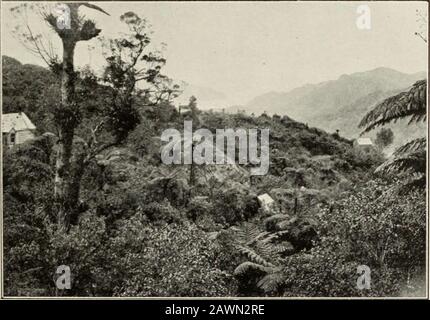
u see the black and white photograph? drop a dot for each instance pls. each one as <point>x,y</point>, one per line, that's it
<point>214,149</point>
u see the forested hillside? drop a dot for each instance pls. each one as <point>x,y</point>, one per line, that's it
<point>108,197</point>
<point>144,228</point>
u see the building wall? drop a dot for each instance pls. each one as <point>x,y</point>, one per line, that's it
<point>20,137</point>
<point>24,135</point>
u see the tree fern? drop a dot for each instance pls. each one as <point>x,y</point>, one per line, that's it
<point>419,144</point>
<point>411,103</point>
<point>271,281</point>
<point>247,234</point>
<point>263,266</point>
<point>411,162</point>
<point>254,256</point>
<point>411,157</point>
<point>247,266</point>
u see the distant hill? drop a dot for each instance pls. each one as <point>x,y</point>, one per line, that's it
<point>25,88</point>
<point>336,104</point>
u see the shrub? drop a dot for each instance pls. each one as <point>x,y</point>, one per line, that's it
<point>169,260</point>
<point>373,226</point>
<point>364,159</point>
<point>234,204</point>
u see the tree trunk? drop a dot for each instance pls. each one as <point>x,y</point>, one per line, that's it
<point>67,120</point>
<point>69,167</point>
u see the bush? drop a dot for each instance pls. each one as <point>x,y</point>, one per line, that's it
<point>363,159</point>
<point>169,260</point>
<point>373,226</point>
<point>234,204</point>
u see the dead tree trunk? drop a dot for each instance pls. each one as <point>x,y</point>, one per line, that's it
<point>67,121</point>
<point>67,174</point>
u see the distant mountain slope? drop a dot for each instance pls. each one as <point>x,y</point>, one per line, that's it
<point>337,104</point>
<point>25,88</point>
<point>349,116</point>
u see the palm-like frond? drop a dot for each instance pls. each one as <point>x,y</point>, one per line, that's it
<point>248,266</point>
<point>282,247</point>
<point>266,250</point>
<point>411,146</point>
<point>414,182</point>
<point>409,103</point>
<point>411,157</point>
<point>271,282</point>
<point>412,162</point>
<point>264,265</point>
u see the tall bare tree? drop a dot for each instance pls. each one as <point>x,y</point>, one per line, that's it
<point>76,29</point>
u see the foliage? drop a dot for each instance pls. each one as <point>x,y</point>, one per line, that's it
<point>143,230</point>
<point>261,272</point>
<point>364,159</point>
<point>411,104</point>
<point>170,260</point>
<point>373,226</point>
<point>233,205</point>
<point>384,137</point>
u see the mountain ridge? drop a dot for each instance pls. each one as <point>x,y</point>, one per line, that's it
<point>381,78</point>
<point>336,104</point>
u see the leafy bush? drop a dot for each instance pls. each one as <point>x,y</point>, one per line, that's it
<point>169,260</point>
<point>373,226</point>
<point>362,158</point>
<point>234,204</point>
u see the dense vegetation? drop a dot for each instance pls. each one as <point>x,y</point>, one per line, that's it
<point>143,228</point>
<point>143,232</point>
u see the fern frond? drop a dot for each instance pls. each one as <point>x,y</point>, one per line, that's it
<point>266,250</point>
<point>247,233</point>
<point>253,256</point>
<point>283,246</point>
<point>408,162</point>
<point>415,182</point>
<point>283,225</point>
<point>414,145</point>
<point>276,217</point>
<point>276,235</point>
<point>263,235</point>
<point>271,282</point>
<point>409,103</point>
<point>269,238</point>
<point>247,266</point>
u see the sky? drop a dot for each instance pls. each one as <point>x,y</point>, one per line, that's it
<point>244,49</point>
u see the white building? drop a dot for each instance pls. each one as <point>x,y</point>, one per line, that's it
<point>266,201</point>
<point>16,128</point>
<point>363,143</point>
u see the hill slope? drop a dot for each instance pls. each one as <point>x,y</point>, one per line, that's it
<point>336,104</point>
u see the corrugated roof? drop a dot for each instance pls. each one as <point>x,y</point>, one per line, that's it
<point>18,121</point>
<point>364,141</point>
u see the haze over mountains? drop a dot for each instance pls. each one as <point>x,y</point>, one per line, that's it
<point>339,104</point>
